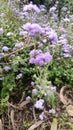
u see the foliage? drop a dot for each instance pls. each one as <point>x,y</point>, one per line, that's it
<point>35,47</point>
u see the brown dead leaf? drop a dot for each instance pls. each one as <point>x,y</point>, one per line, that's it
<point>62,98</point>
<point>69,109</point>
<point>12,119</point>
<point>21,105</point>
<point>35,125</point>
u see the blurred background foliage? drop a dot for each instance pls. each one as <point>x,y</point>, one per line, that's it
<point>50,3</point>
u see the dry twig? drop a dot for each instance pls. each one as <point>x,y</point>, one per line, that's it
<point>35,125</point>
<point>12,119</point>
<point>1,126</point>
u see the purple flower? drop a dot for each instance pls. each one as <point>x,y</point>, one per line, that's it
<point>52,88</point>
<point>53,37</point>
<point>42,116</point>
<point>36,9</point>
<point>32,60</point>
<point>37,57</point>
<point>5,48</point>
<point>52,9</point>
<point>55,17</point>
<point>66,48</point>
<point>63,30</point>
<point>63,41</point>
<point>34,91</point>
<point>40,62</point>
<point>67,55</point>
<point>23,33</point>
<point>30,7</point>
<point>19,75</point>
<point>47,57</point>
<point>1,78</point>
<point>36,28</point>
<point>7,68</point>
<point>64,9</point>
<point>34,52</point>
<point>39,104</point>
<point>28,98</point>
<point>66,20</point>
<point>32,83</point>
<point>33,28</point>
<point>52,111</point>
<point>1,31</point>
<point>42,8</point>
<point>2,15</point>
<point>19,45</point>
<point>1,54</point>
<point>27,26</point>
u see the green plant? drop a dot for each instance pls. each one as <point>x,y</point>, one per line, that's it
<point>43,86</point>
<point>26,124</point>
<point>71,127</point>
<point>25,31</point>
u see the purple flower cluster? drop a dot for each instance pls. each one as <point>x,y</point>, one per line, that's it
<point>39,104</point>
<point>52,111</point>
<point>53,37</point>
<point>30,7</point>
<point>19,45</point>
<point>5,48</point>
<point>33,29</point>
<point>42,116</point>
<point>34,91</point>
<point>28,98</point>
<point>37,57</point>
<point>32,83</point>
<point>67,50</point>
<point>7,68</point>
<point>52,9</point>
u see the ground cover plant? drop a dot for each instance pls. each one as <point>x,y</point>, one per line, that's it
<point>36,66</point>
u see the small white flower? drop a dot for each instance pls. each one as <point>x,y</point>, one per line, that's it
<point>9,34</point>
